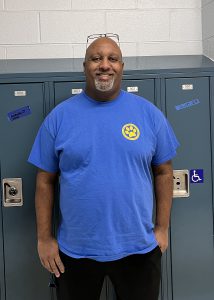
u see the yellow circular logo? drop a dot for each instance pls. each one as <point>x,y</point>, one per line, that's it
<point>130,132</point>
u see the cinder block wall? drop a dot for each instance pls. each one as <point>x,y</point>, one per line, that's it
<point>208,27</point>
<point>58,28</point>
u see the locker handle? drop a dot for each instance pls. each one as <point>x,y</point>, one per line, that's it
<point>12,192</point>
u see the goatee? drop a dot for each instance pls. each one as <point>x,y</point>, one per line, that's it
<point>104,86</point>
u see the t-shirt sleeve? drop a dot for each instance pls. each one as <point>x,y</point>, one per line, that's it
<point>43,154</point>
<point>166,143</point>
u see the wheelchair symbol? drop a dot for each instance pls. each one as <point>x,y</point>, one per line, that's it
<point>195,177</point>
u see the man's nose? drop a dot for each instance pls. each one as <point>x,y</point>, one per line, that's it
<point>105,64</point>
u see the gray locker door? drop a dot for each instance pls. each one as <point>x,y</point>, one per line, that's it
<point>22,274</point>
<point>142,87</point>
<point>65,90</point>
<point>187,103</point>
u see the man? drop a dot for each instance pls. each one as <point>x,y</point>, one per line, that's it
<point>103,143</point>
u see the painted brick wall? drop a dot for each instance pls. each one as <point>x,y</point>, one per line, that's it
<point>53,28</point>
<point>208,27</point>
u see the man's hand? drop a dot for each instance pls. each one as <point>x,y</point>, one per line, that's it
<point>49,256</point>
<point>163,183</point>
<point>47,246</point>
<point>161,236</point>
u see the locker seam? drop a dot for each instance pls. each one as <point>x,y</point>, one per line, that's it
<point>3,246</point>
<point>211,96</point>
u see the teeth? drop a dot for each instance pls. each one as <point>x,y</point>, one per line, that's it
<point>104,77</point>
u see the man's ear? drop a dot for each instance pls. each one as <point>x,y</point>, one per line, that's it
<point>84,66</point>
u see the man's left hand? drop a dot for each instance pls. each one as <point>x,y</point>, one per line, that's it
<point>161,236</point>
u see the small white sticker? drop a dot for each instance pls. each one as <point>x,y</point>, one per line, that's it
<point>187,87</point>
<point>132,89</point>
<point>76,91</point>
<point>20,93</point>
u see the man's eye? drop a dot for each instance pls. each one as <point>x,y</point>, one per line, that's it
<point>96,59</point>
<point>113,59</point>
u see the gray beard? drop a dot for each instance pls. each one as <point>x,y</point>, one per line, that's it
<point>104,86</point>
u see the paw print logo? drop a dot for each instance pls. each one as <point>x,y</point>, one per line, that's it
<point>131,132</point>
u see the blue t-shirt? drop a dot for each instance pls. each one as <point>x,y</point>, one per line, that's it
<point>104,152</point>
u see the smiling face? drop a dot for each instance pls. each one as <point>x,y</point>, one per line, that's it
<point>103,68</point>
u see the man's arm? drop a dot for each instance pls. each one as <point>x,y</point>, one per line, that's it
<point>47,245</point>
<point>163,184</point>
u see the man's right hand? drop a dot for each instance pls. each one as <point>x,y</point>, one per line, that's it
<point>49,256</point>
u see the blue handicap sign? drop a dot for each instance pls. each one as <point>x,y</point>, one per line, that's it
<point>197,176</point>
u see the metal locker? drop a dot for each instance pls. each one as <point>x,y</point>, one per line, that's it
<point>65,90</point>
<point>21,113</point>
<point>188,263</point>
<point>142,87</point>
<point>192,256</point>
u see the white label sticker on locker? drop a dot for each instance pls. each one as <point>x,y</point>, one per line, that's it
<point>187,86</point>
<point>76,91</point>
<point>20,93</point>
<point>132,89</point>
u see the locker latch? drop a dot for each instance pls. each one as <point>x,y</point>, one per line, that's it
<point>12,192</point>
<point>180,183</point>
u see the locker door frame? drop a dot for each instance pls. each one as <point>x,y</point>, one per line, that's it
<point>46,109</point>
<point>167,260</point>
<point>2,262</point>
<point>166,278</point>
<point>212,138</point>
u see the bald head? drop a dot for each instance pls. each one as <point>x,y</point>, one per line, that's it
<point>102,43</point>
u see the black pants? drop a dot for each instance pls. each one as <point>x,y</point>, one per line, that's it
<point>135,277</point>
